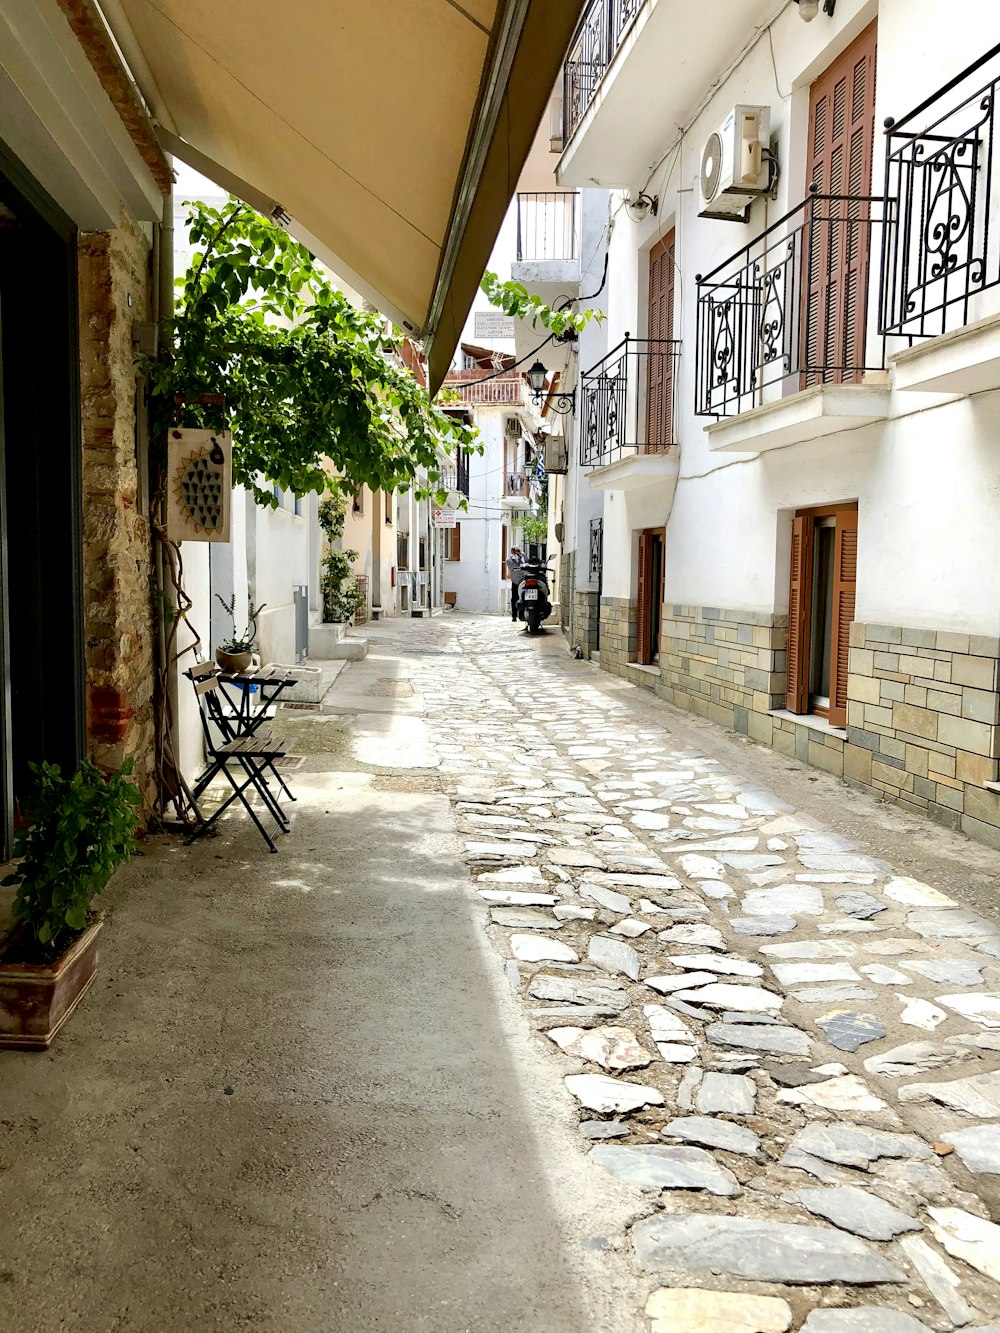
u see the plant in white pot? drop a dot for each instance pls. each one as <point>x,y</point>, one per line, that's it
<point>80,829</point>
<point>236,652</point>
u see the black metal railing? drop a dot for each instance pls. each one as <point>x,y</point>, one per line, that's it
<point>629,401</point>
<point>791,306</point>
<point>940,249</point>
<point>547,225</point>
<point>455,477</point>
<point>598,36</point>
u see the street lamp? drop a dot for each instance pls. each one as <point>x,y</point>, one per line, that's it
<point>558,402</point>
<point>808,9</point>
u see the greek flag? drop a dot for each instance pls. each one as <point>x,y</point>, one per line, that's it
<point>540,466</point>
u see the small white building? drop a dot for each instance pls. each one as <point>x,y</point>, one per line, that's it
<point>792,445</point>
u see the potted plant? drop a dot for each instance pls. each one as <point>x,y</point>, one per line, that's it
<point>339,602</point>
<point>79,830</point>
<point>236,652</point>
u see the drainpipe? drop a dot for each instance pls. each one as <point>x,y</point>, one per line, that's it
<point>378,519</point>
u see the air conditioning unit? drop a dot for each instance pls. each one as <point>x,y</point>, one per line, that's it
<point>512,426</point>
<point>556,456</point>
<point>733,165</point>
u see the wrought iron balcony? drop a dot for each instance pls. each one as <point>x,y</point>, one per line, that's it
<point>548,226</point>
<point>941,249</point>
<point>455,475</point>
<point>598,36</point>
<point>790,308</point>
<point>629,400</point>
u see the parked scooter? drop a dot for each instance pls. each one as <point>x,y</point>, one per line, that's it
<point>533,605</point>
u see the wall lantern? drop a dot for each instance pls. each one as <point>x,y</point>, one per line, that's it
<point>557,402</point>
<point>808,9</point>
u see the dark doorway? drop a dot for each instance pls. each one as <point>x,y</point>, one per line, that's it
<point>651,543</point>
<point>41,590</point>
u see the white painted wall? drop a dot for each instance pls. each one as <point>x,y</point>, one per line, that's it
<point>927,481</point>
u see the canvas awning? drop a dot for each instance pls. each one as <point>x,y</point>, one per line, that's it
<point>390,132</point>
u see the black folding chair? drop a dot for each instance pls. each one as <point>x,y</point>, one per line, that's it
<point>255,754</point>
<point>235,723</point>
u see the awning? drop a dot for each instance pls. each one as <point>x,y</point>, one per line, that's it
<point>390,133</point>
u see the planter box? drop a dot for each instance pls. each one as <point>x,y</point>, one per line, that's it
<point>37,998</point>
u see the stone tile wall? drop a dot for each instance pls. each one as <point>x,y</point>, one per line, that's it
<point>923,723</point>
<point>618,633</point>
<point>583,629</point>
<point>725,665</point>
<point>118,606</point>
<point>567,589</point>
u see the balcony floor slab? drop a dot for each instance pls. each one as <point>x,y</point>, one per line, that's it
<point>635,471</point>
<point>963,361</point>
<point>824,410</point>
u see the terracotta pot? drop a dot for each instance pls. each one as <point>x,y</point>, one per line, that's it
<point>37,998</point>
<point>233,661</point>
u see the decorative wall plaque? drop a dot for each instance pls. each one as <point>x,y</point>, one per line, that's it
<point>199,485</point>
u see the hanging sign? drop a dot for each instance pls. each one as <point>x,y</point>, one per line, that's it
<point>199,485</point>
<point>442,517</point>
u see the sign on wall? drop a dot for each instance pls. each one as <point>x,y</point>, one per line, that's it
<point>199,485</point>
<point>442,517</point>
<point>493,324</point>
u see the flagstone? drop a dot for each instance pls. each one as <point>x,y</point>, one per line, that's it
<point>978,1094</point>
<point>856,1145</point>
<point>518,898</point>
<point>726,1094</point>
<point>978,1147</point>
<point>910,892</point>
<point>614,902</point>
<point>614,956</point>
<point>847,1030</point>
<point>710,962</point>
<point>513,875</point>
<point>921,1013</point>
<point>666,1166</point>
<point>914,1057</point>
<point>760,1037</point>
<point>947,971</point>
<point>679,981</point>
<point>855,1210</point>
<point>810,949</point>
<point>763,925</point>
<point>535,949</point>
<point>630,928</point>
<point>702,867</point>
<point>981,1008</point>
<point>950,923</point>
<point>863,1319</point>
<point>605,995</point>
<point>609,1047</point>
<point>570,912</point>
<point>882,975</point>
<point>968,1237</point>
<point>794,974</point>
<point>706,937</point>
<point>846,1092</point>
<point>861,905</point>
<point>692,1310</point>
<point>526,918</point>
<point>599,1092</point>
<point>788,900</point>
<point>727,995</point>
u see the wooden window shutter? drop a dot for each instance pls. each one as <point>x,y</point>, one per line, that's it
<point>642,627</point>
<point>799,602</point>
<point>845,574</point>
<point>503,552</point>
<point>456,542</point>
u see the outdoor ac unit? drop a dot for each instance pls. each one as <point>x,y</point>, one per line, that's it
<point>512,426</point>
<point>733,166</point>
<point>556,456</point>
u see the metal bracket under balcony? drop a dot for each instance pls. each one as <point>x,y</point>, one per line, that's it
<point>628,413</point>
<point>783,348</point>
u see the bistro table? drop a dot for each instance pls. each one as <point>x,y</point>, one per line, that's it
<point>239,688</point>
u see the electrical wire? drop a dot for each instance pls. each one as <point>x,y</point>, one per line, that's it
<point>505,370</point>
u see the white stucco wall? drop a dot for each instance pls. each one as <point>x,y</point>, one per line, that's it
<point>927,480</point>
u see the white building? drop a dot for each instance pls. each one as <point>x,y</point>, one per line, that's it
<point>794,456</point>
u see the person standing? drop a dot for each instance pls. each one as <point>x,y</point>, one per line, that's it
<point>516,575</point>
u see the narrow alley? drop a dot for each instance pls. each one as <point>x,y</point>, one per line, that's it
<point>666,1029</point>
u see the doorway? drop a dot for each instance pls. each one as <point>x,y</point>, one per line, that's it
<point>837,241</point>
<point>41,583</point>
<point>650,613</point>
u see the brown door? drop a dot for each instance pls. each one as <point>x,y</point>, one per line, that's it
<point>650,596</point>
<point>837,235</point>
<point>660,362</point>
<point>821,599</point>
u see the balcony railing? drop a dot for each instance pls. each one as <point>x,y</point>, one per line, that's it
<point>629,401</point>
<point>480,386</point>
<point>598,36</point>
<point>455,476</point>
<point>941,248</point>
<point>790,308</point>
<point>547,225</point>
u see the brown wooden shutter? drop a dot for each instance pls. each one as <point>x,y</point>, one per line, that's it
<point>836,237</point>
<point>660,364</point>
<point>799,601</point>
<point>642,618</point>
<point>503,552</point>
<point>845,574</point>
<point>456,542</point>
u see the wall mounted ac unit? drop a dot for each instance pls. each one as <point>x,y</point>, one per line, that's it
<point>556,456</point>
<point>733,165</point>
<point>512,426</point>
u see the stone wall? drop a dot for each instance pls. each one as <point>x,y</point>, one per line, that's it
<point>567,588</point>
<point>114,293</point>
<point>584,626</point>
<point>923,723</point>
<point>725,665</point>
<point>619,623</point>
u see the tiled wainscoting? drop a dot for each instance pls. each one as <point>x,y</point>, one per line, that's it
<point>618,633</point>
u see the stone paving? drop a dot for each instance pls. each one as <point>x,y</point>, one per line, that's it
<point>791,1051</point>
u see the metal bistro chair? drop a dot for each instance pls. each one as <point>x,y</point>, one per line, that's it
<point>254,753</point>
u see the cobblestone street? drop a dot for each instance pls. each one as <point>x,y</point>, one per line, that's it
<point>791,1047</point>
<point>557,1010</point>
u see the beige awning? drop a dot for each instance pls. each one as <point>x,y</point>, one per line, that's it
<point>390,132</point>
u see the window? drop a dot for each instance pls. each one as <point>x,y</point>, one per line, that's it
<point>824,562</point>
<point>403,550</point>
<point>423,553</point>
<point>504,572</point>
<point>453,543</point>
<point>297,505</point>
<point>388,506</point>
<point>358,501</point>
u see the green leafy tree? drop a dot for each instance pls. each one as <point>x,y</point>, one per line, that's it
<point>339,603</point>
<point>265,345</point>
<point>514,299</point>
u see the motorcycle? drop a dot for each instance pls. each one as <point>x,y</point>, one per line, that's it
<point>533,605</point>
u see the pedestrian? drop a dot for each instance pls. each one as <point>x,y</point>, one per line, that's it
<point>516,575</point>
